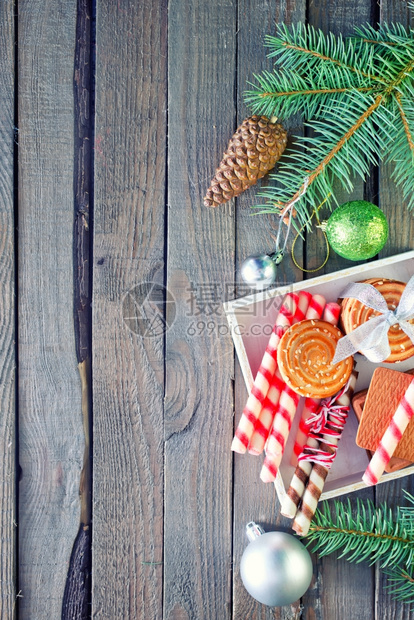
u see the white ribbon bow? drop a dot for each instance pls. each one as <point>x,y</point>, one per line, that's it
<point>372,336</point>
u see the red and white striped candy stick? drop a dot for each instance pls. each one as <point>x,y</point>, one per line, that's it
<point>276,441</point>
<point>330,315</point>
<point>310,406</point>
<point>316,307</point>
<point>323,456</point>
<point>304,299</point>
<point>288,404</point>
<point>264,376</point>
<point>264,423</point>
<point>391,437</point>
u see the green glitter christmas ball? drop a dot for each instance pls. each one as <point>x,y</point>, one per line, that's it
<point>357,230</point>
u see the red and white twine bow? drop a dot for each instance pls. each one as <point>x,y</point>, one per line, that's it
<point>328,421</point>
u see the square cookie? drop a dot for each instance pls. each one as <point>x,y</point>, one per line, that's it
<point>385,392</point>
<point>358,403</point>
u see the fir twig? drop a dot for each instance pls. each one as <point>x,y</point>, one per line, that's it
<point>356,94</point>
<point>370,534</point>
<point>401,585</point>
<point>405,123</point>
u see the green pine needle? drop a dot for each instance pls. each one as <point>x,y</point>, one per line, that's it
<point>356,97</point>
<point>370,534</point>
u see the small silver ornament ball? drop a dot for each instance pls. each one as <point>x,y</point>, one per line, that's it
<point>259,271</point>
<point>276,569</point>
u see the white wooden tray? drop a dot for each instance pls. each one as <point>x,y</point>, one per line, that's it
<point>251,320</point>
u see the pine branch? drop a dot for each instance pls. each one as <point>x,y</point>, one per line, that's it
<point>353,92</point>
<point>401,585</point>
<point>321,167</point>
<point>304,48</point>
<point>385,35</point>
<point>371,534</point>
<point>401,148</point>
<point>404,120</point>
<point>282,95</point>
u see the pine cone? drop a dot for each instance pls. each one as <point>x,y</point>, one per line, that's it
<point>252,152</point>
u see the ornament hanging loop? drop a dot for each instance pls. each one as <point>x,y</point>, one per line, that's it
<point>288,209</point>
<point>253,531</point>
<point>322,226</point>
<point>277,257</point>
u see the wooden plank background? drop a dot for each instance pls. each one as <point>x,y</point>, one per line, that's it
<point>50,416</point>
<point>400,239</point>
<point>128,370</point>
<point>123,111</point>
<point>8,517</point>
<point>199,363</point>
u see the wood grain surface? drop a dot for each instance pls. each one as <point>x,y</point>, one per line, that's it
<point>8,517</point>
<point>50,416</point>
<point>128,366</point>
<point>124,110</point>
<point>254,500</point>
<point>199,362</point>
<point>355,598</point>
<point>339,19</point>
<point>401,235</point>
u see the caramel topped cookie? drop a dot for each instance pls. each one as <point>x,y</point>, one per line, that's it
<point>354,313</point>
<point>305,356</point>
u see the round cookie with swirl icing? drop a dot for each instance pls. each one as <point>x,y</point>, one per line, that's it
<point>305,356</point>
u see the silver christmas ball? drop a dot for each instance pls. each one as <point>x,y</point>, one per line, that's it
<point>259,271</point>
<point>276,569</point>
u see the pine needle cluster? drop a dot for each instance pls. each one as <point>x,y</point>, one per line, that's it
<point>370,534</point>
<point>356,96</point>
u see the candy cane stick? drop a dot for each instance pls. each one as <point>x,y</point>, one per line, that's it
<point>316,307</point>
<point>310,407</point>
<point>264,376</point>
<point>319,471</point>
<point>391,437</point>
<point>331,315</point>
<point>288,404</point>
<point>303,470</point>
<point>276,442</point>
<point>264,423</point>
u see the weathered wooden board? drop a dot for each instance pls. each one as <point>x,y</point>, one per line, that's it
<point>340,589</point>
<point>254,500</point>
<point>50,416</point>
<point>339,18</point>
<point>199,352</point>
<point>401,227</point>
<point>128,369</point>
<point>76,599</point>
<point>7,333</point>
